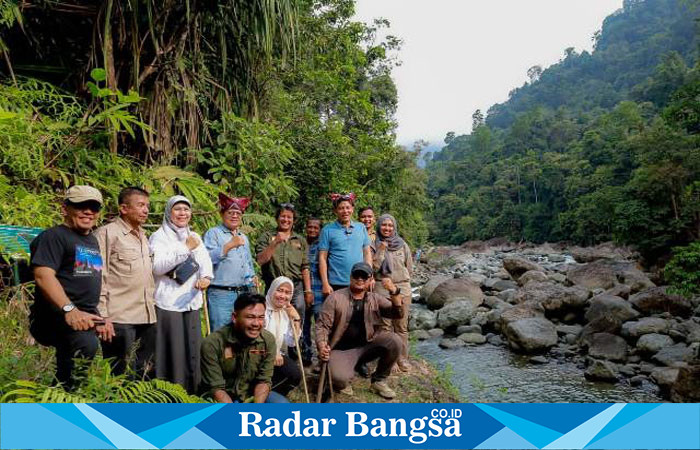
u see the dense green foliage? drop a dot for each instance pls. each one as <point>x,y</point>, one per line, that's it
<point>600,146</point>
<point>278,100</point>
<point>683,270</point>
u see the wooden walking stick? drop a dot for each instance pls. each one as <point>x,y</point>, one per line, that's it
<point>330,382</point>
<point>206,313</point>
<point>301,364</point>
<point>321,382</point>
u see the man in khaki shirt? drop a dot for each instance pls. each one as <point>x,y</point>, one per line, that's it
<point>126,300</point>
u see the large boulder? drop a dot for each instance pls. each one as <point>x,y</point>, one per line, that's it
<point>604,274</point>
<point>674,356</point>
<point>553,297</point>
<point>422,319</point>
<point>602,251</point>
<point>601,371</point>
<point>608,306</point>
<point>657,300</point>
<point>596,275</point>
<point>504,285</point>
<point>517,266</point>
<point>651,343</point>
<point>607,346</point>
<point>532,276</point>
<point>690,330</point>
<point>686,388</point>
<point>450,343</point>
<point>645,325</point>
<point>665,377</point>
<point>455,314</point>
<point>531,335</point>
<point>453,290</point>
<point>430,286</point>
<point>525,310</point>
<point>472,338</point>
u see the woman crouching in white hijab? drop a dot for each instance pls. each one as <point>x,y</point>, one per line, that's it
<point>280,317</point>
<point>179,330</point>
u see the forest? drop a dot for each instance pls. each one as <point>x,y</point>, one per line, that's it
<point>600,146</point>
<point>277,100</point>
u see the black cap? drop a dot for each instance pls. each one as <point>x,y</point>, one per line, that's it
<point>361,267</point>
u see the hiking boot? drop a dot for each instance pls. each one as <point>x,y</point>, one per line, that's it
<point>383,389</point>
<point>347,390</point>
<point>404,365</point>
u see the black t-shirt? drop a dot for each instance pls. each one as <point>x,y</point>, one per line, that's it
<point>356,334</point>
<point>78,265</point>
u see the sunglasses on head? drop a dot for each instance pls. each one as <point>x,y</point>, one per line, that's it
<point>81,206</point>
<point>287,206</point>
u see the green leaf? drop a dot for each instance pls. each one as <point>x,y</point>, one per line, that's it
<point>98,74</point>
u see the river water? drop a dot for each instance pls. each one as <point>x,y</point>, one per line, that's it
<point>488,373</point>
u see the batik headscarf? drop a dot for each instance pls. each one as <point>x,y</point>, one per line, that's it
<point>168,224</point>
<point>239,203</point>
<point>278,322</point>
<point>393,242</point>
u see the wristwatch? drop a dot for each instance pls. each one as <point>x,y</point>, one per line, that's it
<point>68,307</point>
<point>396,292</point>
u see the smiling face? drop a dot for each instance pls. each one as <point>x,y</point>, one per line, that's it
<point>359,282</point>
<point>285,220</point>
<point>343,211</point>
<point>250,321</point>
<point>180,215</point>
<point>367,217</point>
<point>282,295</point>
<point>387,228</point>
<point>81,217</point>
<point>134,210</point>
<point>313,229</point>
<point>231,218</point>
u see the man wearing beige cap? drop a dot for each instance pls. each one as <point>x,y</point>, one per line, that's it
<point>68,271</point>
<point>126,301</point>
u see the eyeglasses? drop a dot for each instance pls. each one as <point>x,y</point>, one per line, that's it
<point>233,213</point>
<point>348,231</point>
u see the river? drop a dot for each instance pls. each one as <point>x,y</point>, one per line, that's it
<point>488,373</point>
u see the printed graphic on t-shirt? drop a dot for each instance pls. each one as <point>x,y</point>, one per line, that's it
<point>88,262</point>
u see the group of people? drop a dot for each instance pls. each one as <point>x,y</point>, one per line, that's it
<point>140,298</point>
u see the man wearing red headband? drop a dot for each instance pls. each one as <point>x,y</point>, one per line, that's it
<point>229,250</point>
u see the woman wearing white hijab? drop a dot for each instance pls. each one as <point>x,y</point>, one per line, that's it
<point>179,330</point>
<point>280,317</point>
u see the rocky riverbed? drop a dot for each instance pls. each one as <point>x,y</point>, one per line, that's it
<point>586,313</point>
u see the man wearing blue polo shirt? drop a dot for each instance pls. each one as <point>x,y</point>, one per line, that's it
<point>342,244</point>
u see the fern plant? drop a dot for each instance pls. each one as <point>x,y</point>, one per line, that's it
<point>97,384</point>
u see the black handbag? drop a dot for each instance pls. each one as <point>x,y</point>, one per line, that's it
<point>184,271</point>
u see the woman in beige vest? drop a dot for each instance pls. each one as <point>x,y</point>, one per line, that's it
<point>392,259</point>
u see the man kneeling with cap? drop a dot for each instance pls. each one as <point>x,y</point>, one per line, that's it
<point>350,331</point>
<point>67,268</point>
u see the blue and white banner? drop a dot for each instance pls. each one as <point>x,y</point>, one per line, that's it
<point>351,426</point>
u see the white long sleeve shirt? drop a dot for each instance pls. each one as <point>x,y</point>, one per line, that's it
<point>169,250</point>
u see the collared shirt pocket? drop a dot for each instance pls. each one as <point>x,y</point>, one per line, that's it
<point>124,263</point>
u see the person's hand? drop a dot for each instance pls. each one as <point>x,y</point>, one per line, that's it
<point>279,360</point>
<point>279,238</point>
<point>326,289</point>
<point>292,312</point>
<point>309,298</point>
<point>237,241</point>
<point>371,282</point>
<point>192,242</point>
<point>105,332</point>
<point>202,284</point>
<point>82,321</point>
<point>324,352</point>
<point>388,284</point>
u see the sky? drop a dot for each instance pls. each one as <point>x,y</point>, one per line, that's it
<point>462,55</point>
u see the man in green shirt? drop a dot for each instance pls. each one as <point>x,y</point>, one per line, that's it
<point>238,359</point>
